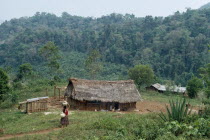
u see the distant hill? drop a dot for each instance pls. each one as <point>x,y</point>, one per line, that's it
<point>206,6</point>
<point>175,46</point>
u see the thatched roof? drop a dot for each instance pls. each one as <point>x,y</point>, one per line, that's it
<point>104,91</point>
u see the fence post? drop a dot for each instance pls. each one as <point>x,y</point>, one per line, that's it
<point>54,91</point>
<point>46,92</point>
<point>59,90</point>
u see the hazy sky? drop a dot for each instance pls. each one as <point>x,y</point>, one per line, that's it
<point>95,8</point>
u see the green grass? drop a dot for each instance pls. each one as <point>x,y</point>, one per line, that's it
<point>165,97</point>
<point>86,125</point>
<point>14,121</point>
<point>83,125</point>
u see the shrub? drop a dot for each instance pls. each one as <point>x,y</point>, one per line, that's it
<point>142,75</point>
<point>197,129</point>
<point>19,85</point>
<point>193,86</point>
<point>206,101</point>
<point>169,136</point>
<point>178,111</point>
<point>9,100</point>
<point>203,126</point>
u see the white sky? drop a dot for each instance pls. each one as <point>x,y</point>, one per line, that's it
<point>95,8</point>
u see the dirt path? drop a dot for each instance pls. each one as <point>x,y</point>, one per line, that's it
<point>29,133</point>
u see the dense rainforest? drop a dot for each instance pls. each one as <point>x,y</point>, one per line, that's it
<point>175,46</point>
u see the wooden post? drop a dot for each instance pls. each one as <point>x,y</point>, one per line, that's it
<point>54,90</point>
<point>46,92</point>
<point>59,91</point>
<point>27,107</point>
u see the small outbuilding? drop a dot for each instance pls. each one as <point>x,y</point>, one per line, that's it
<point>102,95</point>
<point>163,88</point>
<point>34,105</point>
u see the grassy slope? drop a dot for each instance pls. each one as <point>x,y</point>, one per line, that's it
<point>155,96</point>
<point>84,125</point>
<point>87,125</point>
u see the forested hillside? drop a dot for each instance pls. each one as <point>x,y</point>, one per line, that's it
<point>174,46</point>
<point>205,6</point>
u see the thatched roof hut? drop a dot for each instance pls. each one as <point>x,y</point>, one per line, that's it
<point>102,91</point>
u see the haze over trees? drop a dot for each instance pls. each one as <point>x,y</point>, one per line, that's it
<point>206,6</point>
<point>175,46</point>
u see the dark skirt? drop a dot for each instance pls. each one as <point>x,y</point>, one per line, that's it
<point>65,120</point>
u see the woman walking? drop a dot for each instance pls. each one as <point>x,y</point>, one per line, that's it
<point>64,117</point>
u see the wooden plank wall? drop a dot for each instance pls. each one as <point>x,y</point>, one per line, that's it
<point>36,106</point>
<point>83,105</point>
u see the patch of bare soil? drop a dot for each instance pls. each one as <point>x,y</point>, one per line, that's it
<point>143,107</point>
<point>30,133</point>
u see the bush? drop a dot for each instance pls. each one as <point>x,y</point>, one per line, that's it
<point>206,110</point>
<point>18,85</point>
<point>197,129</point>
<point>143,75</point>
<point>206,101</point>
<point>169,136</point>
<point>203,126</point>
<point>9,100</point>
<point>193,86</point>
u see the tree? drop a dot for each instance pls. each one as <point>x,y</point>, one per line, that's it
<point>25,70</point>
<point>50,52</point>
<point>4,87</point>
<point>205,74</point>
<point>193,86</point>
<point>92,63</point>
<point>143,75</point>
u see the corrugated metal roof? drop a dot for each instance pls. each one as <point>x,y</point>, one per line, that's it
<point>171,88</point>
<point>36,99</point>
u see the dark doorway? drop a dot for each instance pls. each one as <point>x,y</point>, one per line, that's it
<point>116,106</point>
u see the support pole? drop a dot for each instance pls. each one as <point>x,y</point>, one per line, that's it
<point>54,91</point>
<point>46,92</point>
<point>59,91</point>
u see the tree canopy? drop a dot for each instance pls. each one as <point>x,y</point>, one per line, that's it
<point>143,75</point>
<point>174,46</point>
<point>193,87</point>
